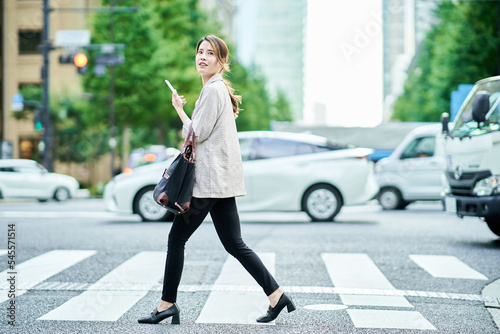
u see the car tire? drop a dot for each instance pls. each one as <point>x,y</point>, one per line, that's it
<point>322,202</point>
<point>148,209</point>
<point>494,224</point>
<point>390,198</point>
<point>61,194</point>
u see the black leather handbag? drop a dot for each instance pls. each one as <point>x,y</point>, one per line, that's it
<point>175,189</point>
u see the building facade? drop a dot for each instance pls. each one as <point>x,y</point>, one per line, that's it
<point>21,24</point>
<point>224,11</point>
<point>270,35</point>
<point>405,24</point>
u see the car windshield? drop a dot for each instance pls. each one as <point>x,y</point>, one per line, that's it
<point>267,148</point>
<point>465,126</point>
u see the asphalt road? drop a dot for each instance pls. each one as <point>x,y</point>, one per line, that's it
<point>79,269</point>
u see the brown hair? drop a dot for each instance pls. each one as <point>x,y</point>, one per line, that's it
<point>222,54</point>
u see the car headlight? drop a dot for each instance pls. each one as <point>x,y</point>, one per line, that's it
<point>446,185</point>
<point>488,186</point>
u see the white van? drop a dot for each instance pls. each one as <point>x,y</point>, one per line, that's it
<point>413,172</point>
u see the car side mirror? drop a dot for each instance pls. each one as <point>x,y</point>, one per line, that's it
<point>481,106</point>
<point>445,119</point>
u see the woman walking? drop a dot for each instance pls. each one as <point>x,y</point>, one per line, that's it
<point>218,180</point>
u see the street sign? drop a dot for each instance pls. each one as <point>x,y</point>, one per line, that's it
<point>72,38</point>
<point>99,70</point>
<point>5,149</point>
<point>17,102</point>
<point>109,59</point>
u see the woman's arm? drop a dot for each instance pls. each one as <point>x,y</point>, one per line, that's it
<point>178,102</point>
<point>205,115</point>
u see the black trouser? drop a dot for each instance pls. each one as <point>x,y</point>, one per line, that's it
<point>227,224</point>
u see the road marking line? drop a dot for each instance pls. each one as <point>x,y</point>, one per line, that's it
<point>365,300</point>
<point>42,267</point>
<point>389,319</point>
<point>236,307</point>
<point>64,214</point>
<point>446,266</point>
<point>99,304</point>
<point>3,252</point>
<point>359,271</point>
<point>67,286</point>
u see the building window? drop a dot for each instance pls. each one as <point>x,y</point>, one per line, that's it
<point>29,41</point>
<point>28,148</point>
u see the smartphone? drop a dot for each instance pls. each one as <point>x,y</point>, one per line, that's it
<point>170,86</point>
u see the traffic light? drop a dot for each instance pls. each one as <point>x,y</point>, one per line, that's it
<point>80,60</point>
<point>66,59</point>
<point>37,119</point>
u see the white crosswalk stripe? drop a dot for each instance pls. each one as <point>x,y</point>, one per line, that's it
<point>389,319</point>
<point>235,298</point>
<point>99,303</point>
<point>42,267</point>
<point>446,266</point>
<point>359,271</point>
<point>236,307</point>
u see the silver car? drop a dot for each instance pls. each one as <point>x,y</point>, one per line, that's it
<point>20,178</point>
<point>283,172</point>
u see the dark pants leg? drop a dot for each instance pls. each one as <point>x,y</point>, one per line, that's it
<point>182,228</point>
<point>227,224</point>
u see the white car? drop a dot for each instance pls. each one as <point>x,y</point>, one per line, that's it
<point>283,172</point>
<point>20,178</point>
<point>413,172</point>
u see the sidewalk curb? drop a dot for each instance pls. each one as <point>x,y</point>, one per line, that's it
<point>492,291</point>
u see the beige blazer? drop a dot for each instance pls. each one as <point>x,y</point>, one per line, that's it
<point>219,169</point>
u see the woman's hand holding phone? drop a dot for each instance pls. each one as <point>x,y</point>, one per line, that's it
<point>177,101</point>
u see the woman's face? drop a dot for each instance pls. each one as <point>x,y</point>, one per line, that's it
<point>207,63</point>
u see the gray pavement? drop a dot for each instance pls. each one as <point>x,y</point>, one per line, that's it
<point>388,245</point>
<point>492,290</point>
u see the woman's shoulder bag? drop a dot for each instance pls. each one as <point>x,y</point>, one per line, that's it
<point>175,189</point>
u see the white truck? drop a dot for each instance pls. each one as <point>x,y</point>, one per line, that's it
<point>472,156</point>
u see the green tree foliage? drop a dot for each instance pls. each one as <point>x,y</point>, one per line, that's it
<point>137,82</point>
<point>255,98</point>
<point>280,109</point>
<point>160,42</point>
<point>78,139</point>
<point>462,48</point>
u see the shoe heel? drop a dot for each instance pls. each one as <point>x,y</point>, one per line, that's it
<point>290,307</point>
<point>176,319</point>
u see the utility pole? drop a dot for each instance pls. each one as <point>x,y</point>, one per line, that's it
<point>112,130</point>
<point>46,121</point>
<point>46,47</point>
<point>498,35</point>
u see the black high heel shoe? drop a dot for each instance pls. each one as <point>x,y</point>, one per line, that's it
<point>155,316</point>
<point>272,313</point>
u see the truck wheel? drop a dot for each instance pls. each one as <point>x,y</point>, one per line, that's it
<point>391,199</point>
<point>493,224</point>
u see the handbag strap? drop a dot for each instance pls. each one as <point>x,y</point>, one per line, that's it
<point>190,137</point>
